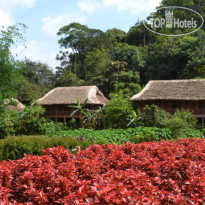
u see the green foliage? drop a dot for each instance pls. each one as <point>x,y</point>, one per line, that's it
<point>8,120</point>
<point>189,133</point>
<point>145,136</point>
<point>117,61</point>
<point>88,118</point>
<point>176,125</point>
<point>16,147</point>
<point>8,74</point>
<point>197,5</point>
<point>81,40</point>
<point>132,55</point>
<point>64,77</point>
<point>51,127</point>
<point>188,50</point>
<point>72,124</point>
<point>81,110</point>
<point>117,110</point>
<point>153,116</point>
<point>180,122</point>
<point>31,121</point>
<point>36,79</point>
<point>138,35</point>
<point>116,136</point>
<point>128,83</point>
<point>134,119</point>
<point>96,64</point>
<point>187,116</point>
<point>115,35</point>
<point>203,131</point>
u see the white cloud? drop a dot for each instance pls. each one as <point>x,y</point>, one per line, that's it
<point>5,4</point>
<point>89,6</point>
<point>36,51</point>
<point>51,25</point>
<point>5,19</point>
<point>132,6</point>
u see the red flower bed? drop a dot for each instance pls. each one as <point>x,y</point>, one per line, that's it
<point>148,173</point>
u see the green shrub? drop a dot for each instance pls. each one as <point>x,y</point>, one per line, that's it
<point>72,124</point>
<point>145,136</point>
<point>177,125</point>
<point>117,111</point>
<point>187,116</point>
<point>162,133</point>
<point>51,127</point>
<point>8,119</point>
<point>31,121</point>
<point>28,122</point>
<point>15,147</point>
<point>153,116</point>
<point>189,133</point>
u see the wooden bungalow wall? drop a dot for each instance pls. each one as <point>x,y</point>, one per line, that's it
<point>198,107</point>
<point>63,112</point>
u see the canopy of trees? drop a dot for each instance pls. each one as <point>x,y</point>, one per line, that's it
<point>117,61</point>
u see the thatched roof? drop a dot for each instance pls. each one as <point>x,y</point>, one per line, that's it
<point>69,95</point>
<point>172,90</point>
<point>14,104</point>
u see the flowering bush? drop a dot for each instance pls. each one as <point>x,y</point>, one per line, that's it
<point>166,172</point>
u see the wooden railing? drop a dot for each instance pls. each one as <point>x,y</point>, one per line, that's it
<point>199,112</point>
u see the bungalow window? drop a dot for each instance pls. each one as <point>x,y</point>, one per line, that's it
<point>176,105</point>
<point>202,105</point>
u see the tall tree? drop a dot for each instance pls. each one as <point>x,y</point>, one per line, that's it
<point>176,58</point>
<point>37,79</point>
<point>79,39</point>
<point>138,35</point>
<point>8,75</point>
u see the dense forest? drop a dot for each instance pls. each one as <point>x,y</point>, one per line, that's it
<point>115,61</point>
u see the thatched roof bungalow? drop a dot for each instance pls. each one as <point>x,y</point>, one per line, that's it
<point>173,94</point>
<point>172,90</point>
<point>57,101</point>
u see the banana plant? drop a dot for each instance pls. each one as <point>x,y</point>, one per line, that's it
<point>134,117</point>
<point>94,115</point>
<point>87,116</point>
<point>81,108</point>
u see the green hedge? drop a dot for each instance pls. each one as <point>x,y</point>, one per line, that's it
<point>15,147</point>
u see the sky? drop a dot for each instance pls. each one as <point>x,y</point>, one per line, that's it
<point>45,17</point>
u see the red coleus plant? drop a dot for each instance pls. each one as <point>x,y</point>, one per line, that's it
<point>166,172</point>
